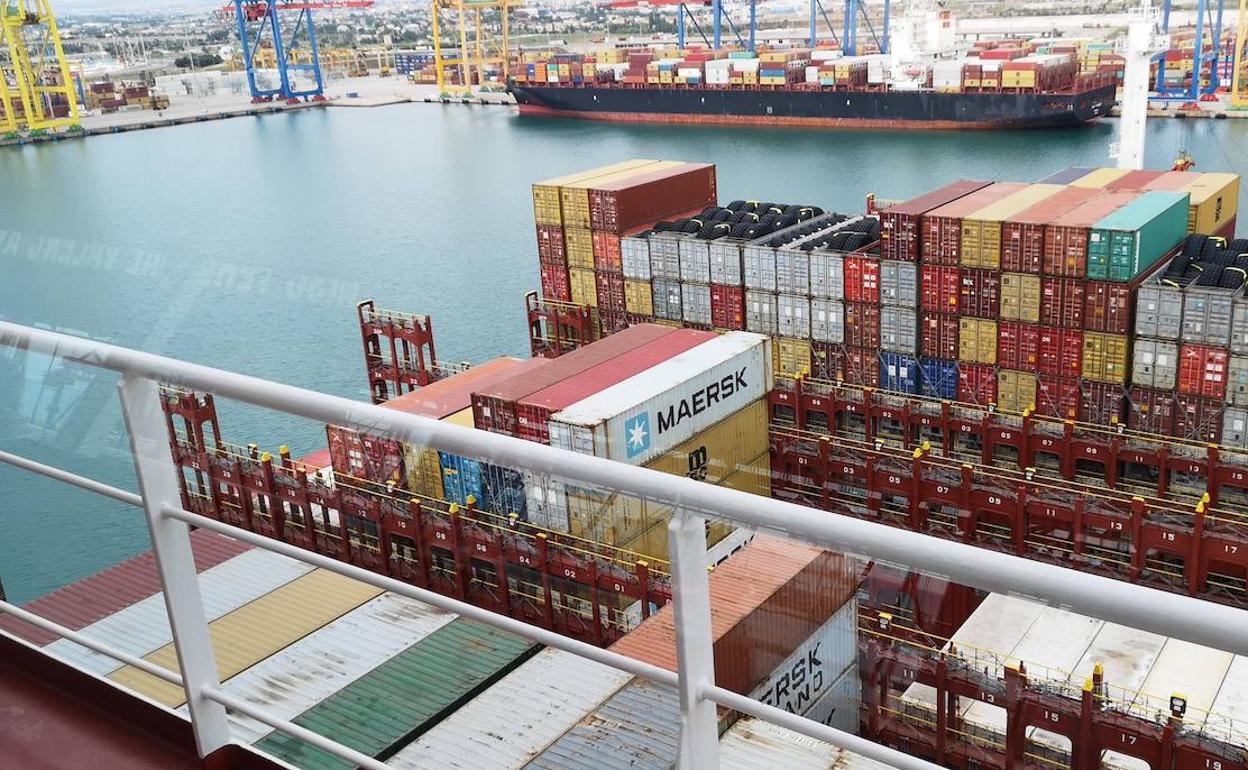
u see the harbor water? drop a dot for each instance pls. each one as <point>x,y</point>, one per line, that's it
<point>245,244</point>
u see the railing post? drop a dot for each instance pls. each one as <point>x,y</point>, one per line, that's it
<point>171,544</point>
<point>695,657</point>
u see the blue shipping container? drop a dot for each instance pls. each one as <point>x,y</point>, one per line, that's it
<point>899,372</point>
<point>497,490</point>
<point>938,378</point>
<point>460,477</point>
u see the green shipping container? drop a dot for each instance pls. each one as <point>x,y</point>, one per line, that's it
<point>1130,240</point>
<point>384,710</point>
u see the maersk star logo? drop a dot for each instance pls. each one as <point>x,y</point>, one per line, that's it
<point>637,433</point>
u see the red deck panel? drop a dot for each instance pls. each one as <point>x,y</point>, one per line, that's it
<point>80,604</point>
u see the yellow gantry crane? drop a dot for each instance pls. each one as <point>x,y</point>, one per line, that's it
<point>1239,99</point>
<point>488,45</point>
<point>36,92</point>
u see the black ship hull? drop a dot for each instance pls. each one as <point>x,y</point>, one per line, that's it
<point>816,107</point>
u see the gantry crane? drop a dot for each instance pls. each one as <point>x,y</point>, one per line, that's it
<point>1205,17</point>
<point>262,21</point>
<point>36,91</point>
<point>487,47</point>
<point>1239,99</point>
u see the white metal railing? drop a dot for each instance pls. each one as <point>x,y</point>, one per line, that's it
<point>1144,608</point>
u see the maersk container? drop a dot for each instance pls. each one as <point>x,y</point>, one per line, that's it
<point>1155,363</point>
<point>810,671</point>
<point>1237,381</point>
<point>760,312</point>
<point>695,260</point>
<point>725,258</point>
<point>793,271</point>
<point>899,283</point>
<point>666,294</point>
<point>827,321</point>
<point>665,254</point>
<point>1159,310</point>
<point>641,417</point>
<point>635,258</point>
<point>1130,240</point>
<point>793,316</point>
<point>938,378</point>
<point>899,373</point>
<point>1207,315</point>
<point>695,303</point>
<point>760,267</point>
<point>827,275</point>
<point>899,330</point>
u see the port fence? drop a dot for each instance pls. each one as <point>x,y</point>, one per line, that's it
<point>141,376</point>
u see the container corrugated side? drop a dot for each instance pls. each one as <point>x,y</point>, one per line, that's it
<point>695,260</point>
<point>754,744</point>
<point>547,205</point>
<point>257,630</point>
<point>1159,310</point>
<point>143,627</point>
<point>981,230</point>
<point>574,197</point>
<point>405,696</point>
<point>636,729</point>
<point>324,662</point>
<point>513,721</point>
<point>650,193</point>
<point>639,418</point>
<point>803,678</point>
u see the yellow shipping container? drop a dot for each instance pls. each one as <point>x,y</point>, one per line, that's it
<point>638,297</point>
<point>424,472</point>
<point>1215,201</point>
<point>1020,297</point>
<point>574,197</point>
<point>1099,177</point>
<point>579,246</point>
<point>791,357</point>
<point>1105,357</point>
<point>1016,391</point>
<point>546,198</point>
<point>977,341</point>
<point>981,230</point>
<point>584,287</point>
<point>733,453</point>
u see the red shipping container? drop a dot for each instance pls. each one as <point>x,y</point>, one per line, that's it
<point>1102,403</point>
<point>940,286</point>
<point>550,248</point>
<point>1151,411</point>
<point>727,307</point>
<point>1061,352</point>
<point>610,293</point>
<point>1203,371</point>
<point>615,322</point>
<point>1198,419</point>
<point>862,279</point>
<point>938,335</point>
<point>862,325</point>
<point>1066,236</point>
<point>1022,237</point>
<point>977,384</point>
<point>1107,307</point>
<point>555,283</point>
<point>979,293</point>
<point>651,195</point>
<point>861,366</point>
<point>606,251</point>
<point>942,227</point>
<point>1058,397</point>
<point>1018,346</point>
<point>827,361</point>
<point>1134,180</point>
<point>899,225</point>
<point>533,412</point>
<point>1061,302</point>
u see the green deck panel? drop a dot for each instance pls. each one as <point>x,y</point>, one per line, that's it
<point>399,700</point>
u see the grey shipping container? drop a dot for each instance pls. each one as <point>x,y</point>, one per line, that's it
<point>1239,325</point>
<point>827,275</point>
<point>1235,427</point>
<point>899,328</point>
<point>665,255</point>
<point>760,312</point>
<point>666,293</point>
<point>1159,311</point>
<point>635,258</point>
<point>1207,312</point>
<point>827,320</point>
<point>726,261</point>
<point>899,283</point>
<point>793,316</point>
<point>760,267</point>
<point>1155,363</point>
<point>695,260</point>
<point>695,299</point>
<point>1237,381</point>
<point>793,272</point>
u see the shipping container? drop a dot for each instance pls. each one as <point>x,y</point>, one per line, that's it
<point>982,230</point>
<point>610,292</point>
<point>1061,352</point>
<point>1022,236</point>
<point>942,227</point>
<point>550,246</point>
<point>977,341</point>
<point>554,281</point>
<point>665,255</point>
<point>899,329</point>
<point>727,307</point>
<point>695,304</point>
<point>1099,177</point>
<point>574,197</point>
<point>434,676</point>
<point>607,255</point>
<point>579,247</point>
<point>1235,435</point>
<point>1105,358</point>
<point>637,727</point>
<point>1062,302</point>
<point>793,316</point>
<point>665,296</point>
<point>899,283</point>
<point>1237,381</point>
<point>641,417</point>
<point>793,271</point>
<point>792,357</point>
<point>827,321</point>
<point>938,378</point>
<point>1134,180</point>
<point>1151,411</point>
<point>1131,239</point>
<point>862,279</point>
<point>1058,397</point>
<point>1203,371</point>
<point>938,335</point>
<point>1155,363</point>
<point>900,232</point>
<point>979,293</point>
<point>827,275</point>
<point>584,285</point>
<point>941,286</point>
<point>1107,307</point>
<point>862,325</point>
<point>899,372</point>
<point>650,194</point>
<point>725,261</point>
<point>761,310</point>
<point>635,258</point>
<point>638,298</point>
<point>861,366</point>
<point>1198,419</point>
<point>1018,345</point>
<point>759,263</point>
<point>1159,310</point>
<point>1066,175</point>
<point>1207,314</point>
<point>547,206</point>
<point>1239,326</point>
<point>1066,236</point>
<point>1016,391</point>
<point>1102,403</point>
<point>753,744</point>
<point>1020,297</point>
<point>695,260</point>
<point>1214,202</point>
<point>977,384</point>
<point>827,361</point>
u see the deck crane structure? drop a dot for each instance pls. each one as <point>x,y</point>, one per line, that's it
<point>1145,39</point>
<point>489,43</point>
<point>1206,16</point>
<point>283,25</point>
<point>36,91</point>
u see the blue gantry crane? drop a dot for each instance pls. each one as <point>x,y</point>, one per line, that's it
<point>1206,16</point>
<point>854,13</point>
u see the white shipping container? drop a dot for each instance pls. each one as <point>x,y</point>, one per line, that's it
<point>804,677</point>
<point>546,501</point>
<point>760,312</point>
<point>695,302</point>
<point>793,271</point>
<point>760,267</point>
<point>638,419</point>
<point>754,744</point>
<point>841,705</point>
<point>827,275</point>
<point>899,330</point>
<point>827,321</point>
<point>635,258</point>
<point>793,316</point>
<point>1207,315</point>
<point>899,283</point>
<point>695,260</point>
<point>665,295</point>
<point>1155,363</point>
<point>1237,381</point>
<point>725,256</point>
<point>665,255</point>
<point>812,74</point>
<point>745,65</point>
<point>1239,326</point>
<point>1235,427</point>
<point>718,77</point>
<point>1159,311</point>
